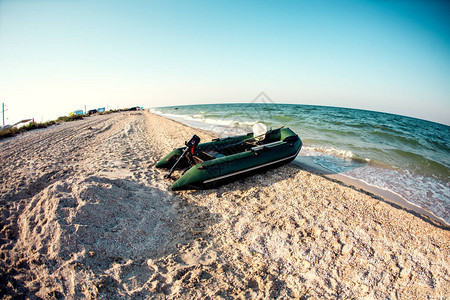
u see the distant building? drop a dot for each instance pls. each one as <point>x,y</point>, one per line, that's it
<point>77,112</point>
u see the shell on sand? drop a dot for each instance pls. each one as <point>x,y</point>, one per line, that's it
<point>85,214</point>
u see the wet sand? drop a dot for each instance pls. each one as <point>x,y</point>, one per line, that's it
<point>307,163</point>
<point>84,213</point>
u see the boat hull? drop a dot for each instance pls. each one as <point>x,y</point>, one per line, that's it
<point>283,149</point>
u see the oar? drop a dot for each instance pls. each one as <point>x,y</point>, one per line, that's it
<point>190,146</point>
<point>178,161</point>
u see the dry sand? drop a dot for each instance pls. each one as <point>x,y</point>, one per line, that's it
<point>84,214</point>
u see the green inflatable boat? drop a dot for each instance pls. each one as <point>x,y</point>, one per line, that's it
<point>227,159</point>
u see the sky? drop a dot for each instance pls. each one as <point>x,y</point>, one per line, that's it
<point>57,56</point>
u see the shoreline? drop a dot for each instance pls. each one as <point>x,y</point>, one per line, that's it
<point>385,195</point>
<point>84,213</point>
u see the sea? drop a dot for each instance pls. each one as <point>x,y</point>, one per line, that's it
<point>404,155</point>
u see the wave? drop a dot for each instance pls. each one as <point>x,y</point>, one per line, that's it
<point>401,154</point>
<point>426,165</point>
<point>397,138</point>
<point>331,151</point>
<point>282,118</point>
<point>206,120</point>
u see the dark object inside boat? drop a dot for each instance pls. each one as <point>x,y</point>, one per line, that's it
<point>213,162</point>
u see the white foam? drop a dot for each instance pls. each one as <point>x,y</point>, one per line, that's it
<point>428,193</point>
<point>330,151</point>
<point>202,119</point>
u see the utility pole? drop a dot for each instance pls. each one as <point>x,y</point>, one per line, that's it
<point>3,113</point>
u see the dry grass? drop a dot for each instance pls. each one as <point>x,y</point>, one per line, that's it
<point>12,131</point>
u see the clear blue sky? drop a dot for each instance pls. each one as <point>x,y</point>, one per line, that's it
<point>58,55</point>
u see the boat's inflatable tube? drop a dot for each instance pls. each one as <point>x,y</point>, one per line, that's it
<point>224,160</point>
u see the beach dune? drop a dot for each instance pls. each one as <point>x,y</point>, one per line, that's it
<point>84,213</point>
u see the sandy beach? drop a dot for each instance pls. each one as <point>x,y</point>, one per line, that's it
<point>84,214</point>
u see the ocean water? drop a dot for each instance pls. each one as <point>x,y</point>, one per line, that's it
<point>408,156</point>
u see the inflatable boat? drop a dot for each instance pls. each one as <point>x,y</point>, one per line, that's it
<point>227,159</point>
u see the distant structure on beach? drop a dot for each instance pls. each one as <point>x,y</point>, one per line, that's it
<point>102,110</point>
<point>77,112</point>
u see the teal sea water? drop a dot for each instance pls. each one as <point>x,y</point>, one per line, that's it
<point>408,156</point>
